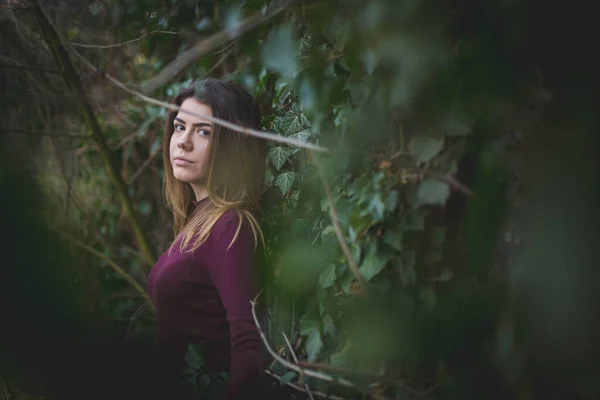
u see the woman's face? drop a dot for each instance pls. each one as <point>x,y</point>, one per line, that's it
<point>189,143</point>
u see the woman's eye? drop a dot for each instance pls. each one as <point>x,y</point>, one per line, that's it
<point>180,128</point>
<point>204,132</point>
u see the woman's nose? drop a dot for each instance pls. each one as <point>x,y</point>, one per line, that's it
<point>184,142</point>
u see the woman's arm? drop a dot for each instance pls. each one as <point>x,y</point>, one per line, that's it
<point>235,273</point>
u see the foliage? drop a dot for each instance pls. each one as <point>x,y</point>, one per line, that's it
<point>420,104</point>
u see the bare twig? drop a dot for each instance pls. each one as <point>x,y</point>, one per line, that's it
<point>293,353</point>
<point>205,46</point>
<point>71,77</point>
<point>228,49</point>
<point>124,274</point>
<point>336,224</point>
<point>252,132</point>
<point>452,181</point>
<point>143,166</point>
<point>303,390</point>
<point>132,320</point>
<point>289,365</point>
<point>344,371</point>
<point>108,46</point>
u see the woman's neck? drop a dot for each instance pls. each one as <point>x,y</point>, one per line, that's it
<point>200,191</point>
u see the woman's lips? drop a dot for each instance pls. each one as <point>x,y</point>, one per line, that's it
<point>182,162</point>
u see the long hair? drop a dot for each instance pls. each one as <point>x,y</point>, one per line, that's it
<point>235,165</point>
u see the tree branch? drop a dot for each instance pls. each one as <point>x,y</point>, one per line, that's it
<point>205,46</point>
<point>124,274</point>
<point>252,132</point>
<point>61,56</point>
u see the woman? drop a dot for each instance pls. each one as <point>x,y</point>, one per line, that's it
<point>202,285</point>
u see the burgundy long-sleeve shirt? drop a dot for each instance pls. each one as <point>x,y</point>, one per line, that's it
<point>204,297</point>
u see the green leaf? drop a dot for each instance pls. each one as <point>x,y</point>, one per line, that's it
<point>280,52</point>
<point>284,181</point>
<point>415,220</point>
<point>432,191</point>
<point>438,235</point>
<point>423,148</point>
<point>391,202</point>
<point>301,136</point>
<point>293,123</point>
<point>314,343</point>
<point>327,277</point>
<point>279,155</point>
<point>394,239</point>
<point>346,281</point>
<point>329,325</point>
<point>373,263</point>
<point>343,357</point>
<point>288,376</point>
<point>456,125</point>
<point>408,274</point>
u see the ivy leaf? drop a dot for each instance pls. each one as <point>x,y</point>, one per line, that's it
<point>280,52</point>
<point>423,148</point>
<point>373,263</point>
<point>288,376</point>
<point>456,125</point>
<point>329,325</point>
<point>314,343</point>
<point>284,181</point>
<point>327,277</point>
<point>394,239</point>
<point>301,136</point>
<point>293,123</point>
<point>432,191</point>
<point>391,202</point>
<point>346,281</point>
<point>343,357</point>
<point>279,155</point>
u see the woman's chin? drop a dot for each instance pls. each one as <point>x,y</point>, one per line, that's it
<point>185,178</point>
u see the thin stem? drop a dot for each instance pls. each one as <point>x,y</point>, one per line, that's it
<point>303,390</point>
<point>336,224</point>
<point>109,46</point>
<point>143,167</point>
<point>293,353</point>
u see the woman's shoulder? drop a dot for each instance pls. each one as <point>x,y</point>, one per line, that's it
<point>228,224</point>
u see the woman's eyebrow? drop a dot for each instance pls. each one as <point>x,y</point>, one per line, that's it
<point>196,125</point>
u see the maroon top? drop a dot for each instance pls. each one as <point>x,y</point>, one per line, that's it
<point>204,297</point>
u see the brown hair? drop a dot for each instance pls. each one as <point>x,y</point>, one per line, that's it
<point>235,165</point>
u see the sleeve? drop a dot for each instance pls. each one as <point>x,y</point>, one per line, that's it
<point>235,274</point>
